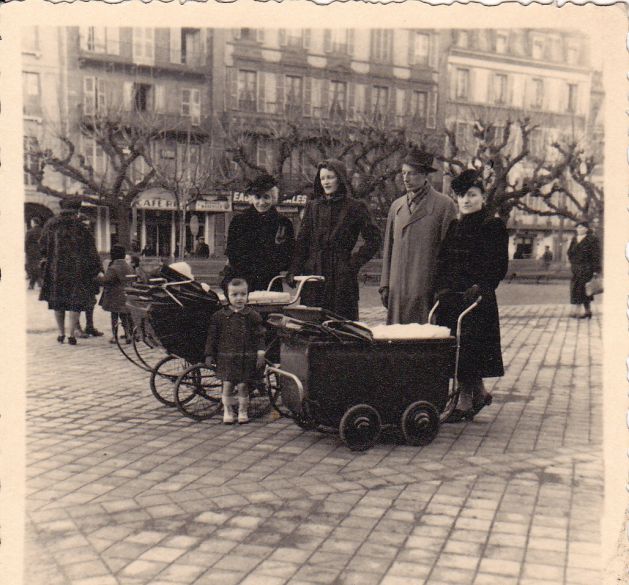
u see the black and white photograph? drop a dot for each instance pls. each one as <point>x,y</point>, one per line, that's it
<point>321,302</point>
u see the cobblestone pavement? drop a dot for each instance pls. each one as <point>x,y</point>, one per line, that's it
<point>123,490</point>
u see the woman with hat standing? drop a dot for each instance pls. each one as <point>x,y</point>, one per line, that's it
<point>72,263</point>
<point>332,222</point>
<point>472,261</point>
<point>584,254</point>
<point>260,241</point>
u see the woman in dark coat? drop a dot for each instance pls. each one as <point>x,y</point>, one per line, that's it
<point>473,260</point>
<point>259,241</point>
<point>72,263</point>
<point>584,254</point>
<point>332,222</point>
<point>33,255</point>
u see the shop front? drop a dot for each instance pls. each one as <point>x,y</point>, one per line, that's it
<point>291,206</point>
<point>206,218</point>
<point>154,222</point>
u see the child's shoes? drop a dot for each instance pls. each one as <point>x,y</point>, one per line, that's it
<point>228,410</point>
<point>243,407</point>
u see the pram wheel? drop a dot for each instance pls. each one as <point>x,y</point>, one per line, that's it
<point>198,392</point>
<point>146,347</point>
<point>420,423</point>
<point>163,377</point>
<point>360,427</point>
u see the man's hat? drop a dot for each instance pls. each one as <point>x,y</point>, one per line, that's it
<point>420,159</point>
<point>466,180</point>
<point>70,204</point>
<point>261,184</point>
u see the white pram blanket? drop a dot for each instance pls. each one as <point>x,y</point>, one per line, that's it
<point>410,331</point>
<point>263,297</point>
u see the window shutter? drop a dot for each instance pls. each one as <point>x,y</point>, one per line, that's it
<point>431,120</point>
<point>407,102</point>
<point>231,99</point>
<point>308,96</point>
<point>236,34</point>
<point>452,80</point>
<point>282,35</point>
<point>127,96</point>
<point>471,94</point>
<point>260,35</point>
<point>195,107</point>
<point>84,32</point>
<point>185,102</point>
<point>368,91</point>
<point>150,44</point>
<point>350,42</point>
<point>306,36</point>
<point>89,105</point>
<point>280,92</point>
<point>175,45</point>
<point>113,40</point>
<point>327,40</point>
<point>351,100</point>
<point>160,98</point>
<point>391,102</point>
<point>509,91</point>
<point>490,88</point>
<point>411,47</point>
<point>261,91</point>
<point>101,104</point>
<point>433,51</point>
<point>325,98</point>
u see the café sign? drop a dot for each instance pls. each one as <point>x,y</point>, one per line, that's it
<point>156,199</point>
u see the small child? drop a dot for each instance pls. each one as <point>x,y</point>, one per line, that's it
<point>236,344</point>
<point>114,298</point>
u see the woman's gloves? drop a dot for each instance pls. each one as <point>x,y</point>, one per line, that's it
<point>471,294</point>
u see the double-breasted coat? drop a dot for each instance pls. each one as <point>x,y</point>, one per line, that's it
<point>325,246</point>
<point>114,298</point>
<point>234,338</point>
<point>411,245</point>
<point>72,263</point>
<point>259,246</point>
<point>474,251</point>
<point>585,260</point>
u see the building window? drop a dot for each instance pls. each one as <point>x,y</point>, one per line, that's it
<point>94,96</point>
<point>338,99</point>
<point>463,135</point>
<point>502,43</point>
<point>462,84</point>
<point>30,160</point>
<point>381,45</point>
<point>247,90</point>
<point>294,38</point>
<point>191,105</point>
<point>100,39</point>
<point>421,49</point>
<point>188,159</point>
<point>31,91</point>
<point>142,97</point>
<point>294,94</point>
<point>572,53</point>
<point>499,87</point>
<point>419,103</point>
<point>191,46</point>
<point>339,41</point>
<point>463,39</point>
<point>573,95</point>
<point>94,155</point>
<point>380,100</point>
<point>30,39</point>
<point>143,46</point>
<point>536,143</point>
<point>248,34</point>
<point>538,48</point>
<point>537,93</point>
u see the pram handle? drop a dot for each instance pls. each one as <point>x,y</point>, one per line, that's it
<point>451,404</point>
<point>303,279</point>
<point>279,372</point>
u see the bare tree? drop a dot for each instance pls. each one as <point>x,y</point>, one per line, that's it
<point>559,183</point>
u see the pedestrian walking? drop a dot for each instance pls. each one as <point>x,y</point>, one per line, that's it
<point>71,264</point>
<point>584,254</point>
<point>114,298</point>
<point>472,261</point>
<point>235,344</point>
<point>547,258</point>
<point>202,250</point>
<point>416,225</point>
<point>33,253</point>
<point>260,241</point>
<point>333,221</point>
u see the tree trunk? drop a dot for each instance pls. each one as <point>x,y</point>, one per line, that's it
<point>121,212</point>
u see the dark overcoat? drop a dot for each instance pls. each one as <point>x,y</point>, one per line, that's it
<point>114,298</point>
<point>259,246</point>
<point>32,251</point>
<point>234,338</point>
<point>474,251</point>
<point>72,263</point>
<point>325,246</point>
<point>585,260</point>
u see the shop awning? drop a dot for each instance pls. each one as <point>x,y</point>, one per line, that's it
<point>155,198</point>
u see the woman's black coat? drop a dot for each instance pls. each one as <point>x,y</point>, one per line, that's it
<point>585,260</point>
<point>259,246</point>
<point>474,251</point>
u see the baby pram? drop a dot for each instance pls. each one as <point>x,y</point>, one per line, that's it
<point>335,375</point>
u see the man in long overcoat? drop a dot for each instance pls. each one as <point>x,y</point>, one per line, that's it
<point>416,225</point>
